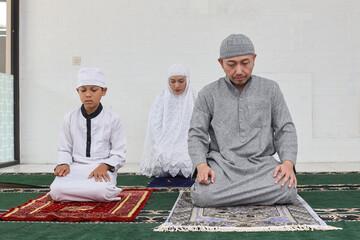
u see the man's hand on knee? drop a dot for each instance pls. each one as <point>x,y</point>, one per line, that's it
<point>203,174</point>
<point>62,170</point>
<point>286,172</point>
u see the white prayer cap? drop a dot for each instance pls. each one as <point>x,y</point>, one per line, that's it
<point>178,69</point>
<point>91,76</point>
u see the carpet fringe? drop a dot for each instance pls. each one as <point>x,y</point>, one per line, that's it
<point>171,228</point>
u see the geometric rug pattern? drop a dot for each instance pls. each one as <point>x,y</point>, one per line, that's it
<point>296,217</point>
<point>41,209</point>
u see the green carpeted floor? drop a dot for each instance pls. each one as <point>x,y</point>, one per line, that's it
<point>161,202</point>
<point>44,180</point>
<point>10,230</point>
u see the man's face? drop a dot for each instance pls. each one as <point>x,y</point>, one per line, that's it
<point>238,69</point>
<point>90,96</point>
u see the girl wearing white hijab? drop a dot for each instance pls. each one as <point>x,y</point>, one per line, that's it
<point>165,149</point>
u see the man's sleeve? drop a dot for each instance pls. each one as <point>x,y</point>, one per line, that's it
<point>65,146</point>
<point>198,141</point>
<point>117,145</point>
<point>285,138</point>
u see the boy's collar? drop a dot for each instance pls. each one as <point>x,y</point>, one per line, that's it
<point>92,115</point>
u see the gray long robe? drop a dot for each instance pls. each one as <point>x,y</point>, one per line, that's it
<point>245,130</point>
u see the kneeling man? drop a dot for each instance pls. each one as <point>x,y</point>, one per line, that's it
<point>239,122</point>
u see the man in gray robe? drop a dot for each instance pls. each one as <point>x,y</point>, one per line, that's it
<point>239,122</point>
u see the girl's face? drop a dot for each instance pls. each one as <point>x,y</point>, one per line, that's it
<point>177,84</point>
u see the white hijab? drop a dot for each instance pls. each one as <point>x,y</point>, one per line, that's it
<point>165,148</point>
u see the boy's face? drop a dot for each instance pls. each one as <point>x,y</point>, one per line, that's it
<point>90,96</point>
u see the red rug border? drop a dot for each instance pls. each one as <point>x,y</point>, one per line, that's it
<point>52,217</point>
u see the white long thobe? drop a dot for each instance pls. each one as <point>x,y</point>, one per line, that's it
<point>85,142</point>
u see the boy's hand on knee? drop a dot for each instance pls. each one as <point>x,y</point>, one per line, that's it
<point>100,173</point>
<point>203,174</point>
<point>62,170</point>
<point>287,173</point>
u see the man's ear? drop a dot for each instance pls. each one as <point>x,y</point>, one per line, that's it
<point>221,61</point>
<point>77,89</point>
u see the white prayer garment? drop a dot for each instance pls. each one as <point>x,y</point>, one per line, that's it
<point>165,149</point>
<point>85,142</point>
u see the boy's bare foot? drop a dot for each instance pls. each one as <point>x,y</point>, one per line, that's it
<point>48,197</point>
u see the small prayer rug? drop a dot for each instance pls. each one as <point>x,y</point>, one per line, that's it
<point>171,182</point>
<point>40,209</point>
<point>297,217</point>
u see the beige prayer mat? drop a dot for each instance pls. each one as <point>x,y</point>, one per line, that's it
<point>297,217</point>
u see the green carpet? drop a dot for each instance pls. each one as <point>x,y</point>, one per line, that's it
<point>333,199</point>
<point>21,230</point>
<point>159,205</point>
<point>31,180</point>
<point>9,200</point>
<point>47,179</point>
<point>310,179</point>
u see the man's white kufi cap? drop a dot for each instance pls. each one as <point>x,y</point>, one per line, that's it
<point>91,76</point>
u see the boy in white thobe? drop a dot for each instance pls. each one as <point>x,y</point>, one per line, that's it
<point>91,146</point>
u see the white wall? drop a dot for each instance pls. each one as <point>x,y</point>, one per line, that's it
<point>312,48</point>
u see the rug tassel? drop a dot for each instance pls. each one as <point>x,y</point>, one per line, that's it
<point>164,228</point>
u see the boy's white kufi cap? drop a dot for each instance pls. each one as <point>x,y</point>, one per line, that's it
<point>91,76</point>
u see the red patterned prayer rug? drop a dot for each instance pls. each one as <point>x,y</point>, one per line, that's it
<point>40,209</point>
